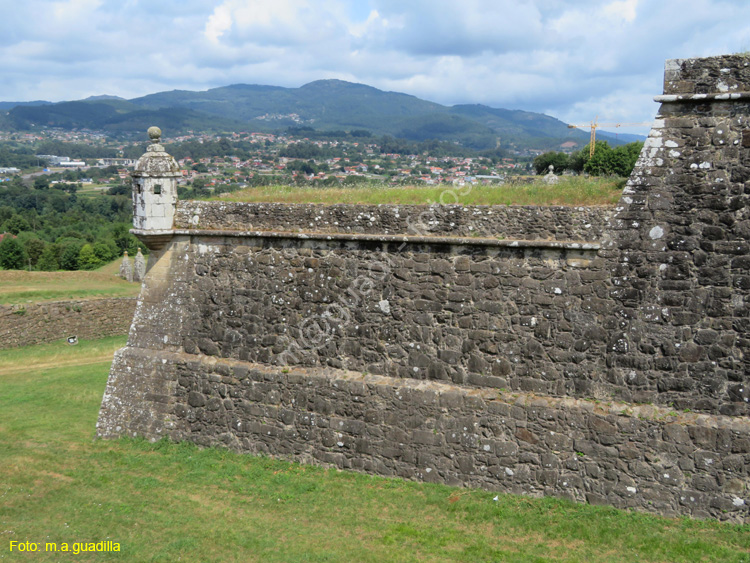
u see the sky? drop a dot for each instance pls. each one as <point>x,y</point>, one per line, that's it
<point>573,59</point>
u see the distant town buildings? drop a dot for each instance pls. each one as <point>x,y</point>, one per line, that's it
<point>116,162</point>
<point>255,158</point>
<point>63,161</point>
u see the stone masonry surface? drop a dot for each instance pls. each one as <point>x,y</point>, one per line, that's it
<point>525,223</point>
<point>679,245</point>
<point>525,319</point>
<point>609,372</point>
<point>36,323</point>
<point>629,456</point>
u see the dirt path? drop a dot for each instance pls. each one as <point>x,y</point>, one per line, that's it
<point>57,364</point>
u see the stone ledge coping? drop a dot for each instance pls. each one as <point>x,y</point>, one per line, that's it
<point>63,302</point>
<point>158,174</point>
<point>408,239</point>
<point>651,412</point>
<point>724,96</point>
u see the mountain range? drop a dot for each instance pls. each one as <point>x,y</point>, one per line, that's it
<point>323,105</point>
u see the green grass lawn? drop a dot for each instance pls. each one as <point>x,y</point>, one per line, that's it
<point>92,190</point>
<point>19,286</point>
<point>571,190</point>
<point>175,502</point>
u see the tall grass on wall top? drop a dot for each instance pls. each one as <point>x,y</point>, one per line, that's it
<point>570,191</point>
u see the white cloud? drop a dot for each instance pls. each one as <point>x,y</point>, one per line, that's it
<point>358,29</point>
<point>279,22</point>
<point>68,12</point>
<point>572,58</point>
<point>219,23</point>
<point>622,10</point>
<point>445,27</point>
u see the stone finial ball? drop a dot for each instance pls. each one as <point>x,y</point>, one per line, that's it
<point>154,133</point>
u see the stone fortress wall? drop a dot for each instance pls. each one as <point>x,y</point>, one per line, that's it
<point>512,223</point>
<point>36,323</point>
<point>593,354</point>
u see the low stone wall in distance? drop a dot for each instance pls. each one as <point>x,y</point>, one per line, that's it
<point>36,323</point>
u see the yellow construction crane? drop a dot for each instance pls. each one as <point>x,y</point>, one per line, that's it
<point>594,124</point>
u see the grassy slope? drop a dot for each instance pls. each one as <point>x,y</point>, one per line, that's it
<point>167,502</point>
<point>570,191</point>
<point>18,286</point>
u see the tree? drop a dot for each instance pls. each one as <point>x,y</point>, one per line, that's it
<point>6,212</point>
<point>225,146</point>
<point>48,260</point>
<point>600,163</point>
<point>69,256</point>
<point>354,179</point>
<point>41,182</point>
<point>16,224</point>
<point>632,152</point>
<point>120,189</point>
<point>302,150</point>
<point>34,248</point>
<point>105,252</point>
<point>360,133</point>
<point>12,254</point>
<point>557,159</point>
<point>613,162</point>
<point>301,166</point>
<point>87,259</point>
<point>70,188</point>
<point>123,240</point>
<point>577,160</point>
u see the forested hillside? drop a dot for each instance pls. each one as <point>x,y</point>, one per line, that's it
<point>322,105</point>
<point>50,226</point>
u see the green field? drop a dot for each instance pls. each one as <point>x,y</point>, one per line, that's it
<point>571,190</point>
<point>90,190</point>
<point>174,502</point>
<point>19,286</point>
